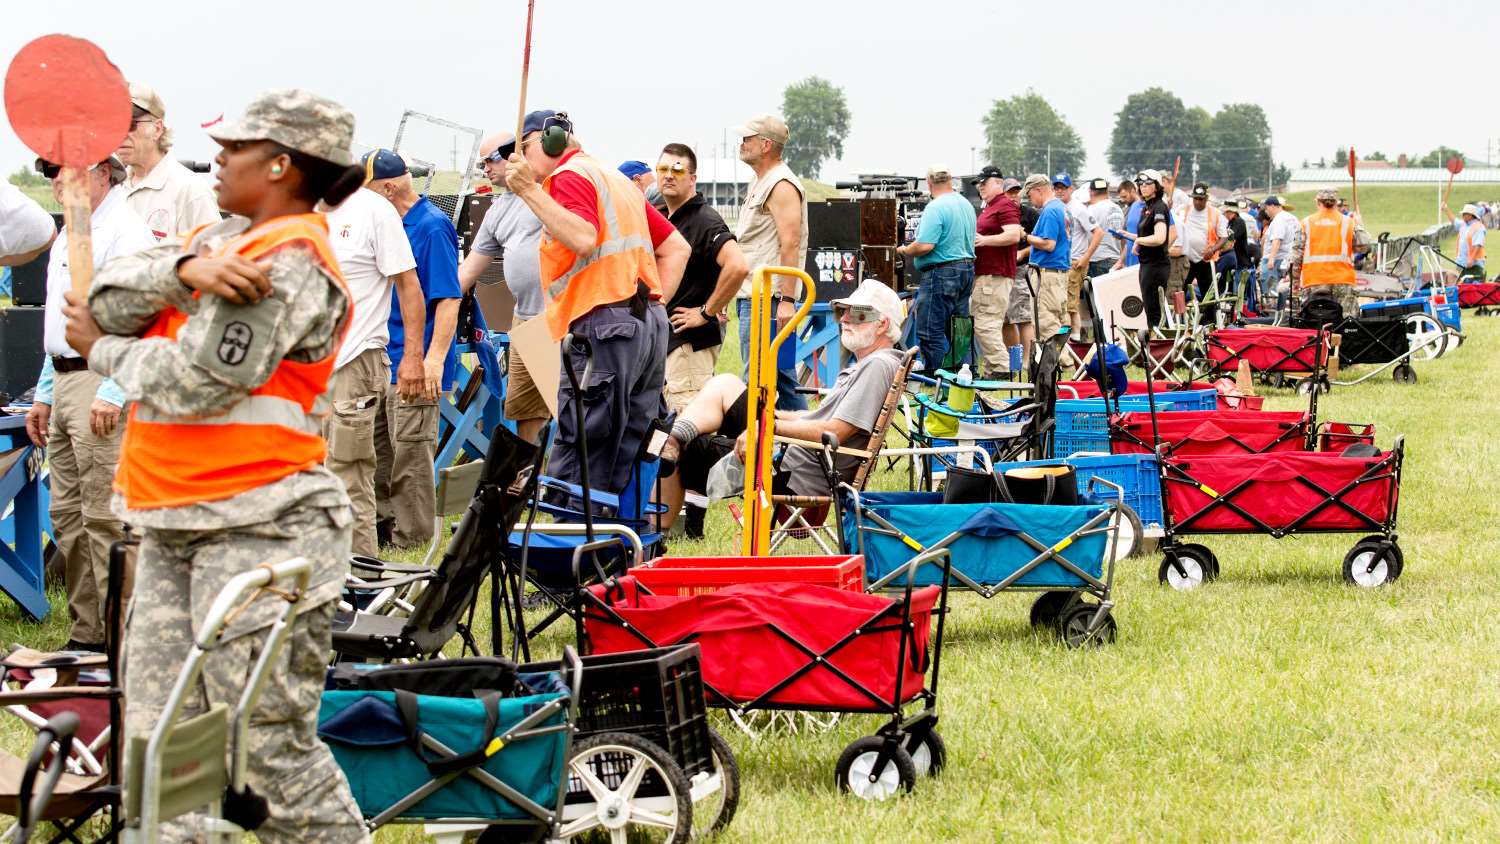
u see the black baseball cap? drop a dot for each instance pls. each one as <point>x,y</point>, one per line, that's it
<point>988,171</point>
<point>1200,191</point>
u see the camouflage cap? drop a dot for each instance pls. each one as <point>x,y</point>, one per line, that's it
<point>1327,193</point>
<point>296,119</point>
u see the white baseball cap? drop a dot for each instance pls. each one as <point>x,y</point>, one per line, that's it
<point>872,293</point>
<point>1471,209</point>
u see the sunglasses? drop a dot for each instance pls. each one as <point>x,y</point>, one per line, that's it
<point>51,171</point>
<point>857,314</point>
<point>500,154</point>
<point>675,169</point>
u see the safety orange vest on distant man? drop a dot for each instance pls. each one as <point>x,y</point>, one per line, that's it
<point>1470,255</point>
<point>1327,248</point>
<point>274,432</point>
<point>573,285</point>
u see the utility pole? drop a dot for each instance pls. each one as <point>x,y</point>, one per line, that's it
<point>1270,161</point>
<point>1195,166</point>
<point>1049,160</point>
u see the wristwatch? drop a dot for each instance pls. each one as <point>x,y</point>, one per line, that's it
<point>703,312</point>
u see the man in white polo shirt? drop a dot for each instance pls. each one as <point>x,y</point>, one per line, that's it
<point>76,414</point>
<point>375,256</point>
<point>168,196</point>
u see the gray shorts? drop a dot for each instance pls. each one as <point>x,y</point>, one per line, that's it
<point>1019,312</point>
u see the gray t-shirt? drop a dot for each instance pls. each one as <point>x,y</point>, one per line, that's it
<point>511,231</point>
<point>858,394</point>
<point>1081,227</point>
<point>1108,216</point>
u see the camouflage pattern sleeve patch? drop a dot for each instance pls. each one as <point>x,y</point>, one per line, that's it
<point>238,343</point>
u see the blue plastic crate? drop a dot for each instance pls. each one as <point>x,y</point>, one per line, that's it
<point>1136,474</point>
<point>1449,314</point>
<point>1064,444</point>
<point>1078,416</point>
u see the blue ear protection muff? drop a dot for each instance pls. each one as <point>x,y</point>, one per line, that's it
<point>555,130</point>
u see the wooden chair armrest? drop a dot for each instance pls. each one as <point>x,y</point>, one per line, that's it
<point>856,452</point>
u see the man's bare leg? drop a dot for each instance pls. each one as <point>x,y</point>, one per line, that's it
<point>703,415</point>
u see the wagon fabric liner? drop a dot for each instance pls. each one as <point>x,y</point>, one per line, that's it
<point>992,543</point>
<point>1479,294</point>
<point>779,645</point>
<point>373,740</point>
<point>1267,349</point>
<point>1206,432</point>
<point>1372,340</point>
<point>1281,493</point>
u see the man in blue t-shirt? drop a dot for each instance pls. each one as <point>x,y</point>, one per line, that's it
<point>406,430</point>
<point>1130,197</point>
<point>944,251</point>
<point>1050,254</point>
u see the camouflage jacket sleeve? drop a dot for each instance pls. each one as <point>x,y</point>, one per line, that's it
<point>223,351</point>
<point>129,291</point>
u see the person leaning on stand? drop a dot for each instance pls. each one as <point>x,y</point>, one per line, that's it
<point>406,429</point>
<point>607,261</point>
<point>713,275</point>
<point>998,230</point>
<point>943,250</point>
<point>1328,243</point>
<point>512,233</point>
<point>772,232</point>
<point>1050,252</point>
<point>1470,230</point>
<point>1150,244</point>
<point>225,347</point>
<point>75,414</point>
<point>374,257</point>
<point>160,190</point>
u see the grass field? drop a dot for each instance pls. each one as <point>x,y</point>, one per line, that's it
<point>1276,704</point>
<point>1400,209</point>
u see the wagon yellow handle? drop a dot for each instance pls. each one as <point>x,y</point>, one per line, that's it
<point>760,392</point>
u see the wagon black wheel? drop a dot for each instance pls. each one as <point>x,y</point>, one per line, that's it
<point>857,771</point>
<point>1049,605</point>
<point>1370,564</point>
<point>1186,567</point>
<point>716,810</point>
<point>1404,374</point>
<point>928,754</point>
<point>1278,380</point>
<point>1396,549</point>
<point>622,787</point>
<point>1074,625</point>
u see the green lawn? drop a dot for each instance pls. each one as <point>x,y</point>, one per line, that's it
<point>1401,209</point>
<point>1276,704</point>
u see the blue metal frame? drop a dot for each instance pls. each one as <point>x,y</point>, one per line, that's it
<point>23,492</point>
<point>471,427</point>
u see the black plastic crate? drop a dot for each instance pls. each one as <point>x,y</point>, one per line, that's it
<point>656,694</point>
<point>1393,310</point>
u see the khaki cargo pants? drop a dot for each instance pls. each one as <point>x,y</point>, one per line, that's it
<point>358,391</point>
<point>988,305</point>
<point>405,446</point>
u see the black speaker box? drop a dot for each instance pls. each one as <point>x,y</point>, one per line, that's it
<point>833,225</point>
<point>20,349</point>
<point>28,282</point>
<point>470,215</point>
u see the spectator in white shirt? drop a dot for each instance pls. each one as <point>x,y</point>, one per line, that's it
<point>171,198</point>
<point>26,229</point>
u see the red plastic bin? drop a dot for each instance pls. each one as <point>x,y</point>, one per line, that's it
<point>706,575</point>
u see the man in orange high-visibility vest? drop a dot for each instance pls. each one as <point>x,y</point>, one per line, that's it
<point>1470,230</point>
<point>608,262</point>
<point>1328,253</point>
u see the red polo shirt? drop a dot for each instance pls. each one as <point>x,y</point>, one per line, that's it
<point>577,194</point>
<point>1002,211</point>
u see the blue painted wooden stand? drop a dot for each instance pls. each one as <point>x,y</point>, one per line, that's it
<point>23,501</point>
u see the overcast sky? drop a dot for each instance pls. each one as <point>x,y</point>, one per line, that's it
<point>918,75</point>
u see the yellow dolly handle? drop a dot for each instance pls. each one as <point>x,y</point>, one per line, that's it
<point>760,403</point>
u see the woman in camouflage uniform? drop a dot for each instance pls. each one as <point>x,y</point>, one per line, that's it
<point>223,344</point>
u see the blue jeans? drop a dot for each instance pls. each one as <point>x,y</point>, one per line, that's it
<point>944,294</point>
<point>787,397</point>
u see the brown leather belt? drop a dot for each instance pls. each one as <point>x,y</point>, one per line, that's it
<point>62,364</point>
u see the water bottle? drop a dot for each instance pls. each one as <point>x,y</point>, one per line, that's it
<point>961,394</point>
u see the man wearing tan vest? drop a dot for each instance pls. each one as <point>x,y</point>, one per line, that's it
<point>1328,253</point>
<point>772,231</point>
<point>608,262</point>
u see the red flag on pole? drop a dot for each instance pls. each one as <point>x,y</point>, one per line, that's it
<point>1352,159</point>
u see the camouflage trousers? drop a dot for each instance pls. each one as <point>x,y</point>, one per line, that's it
<point>181,573</point>
<point>1342,293</point>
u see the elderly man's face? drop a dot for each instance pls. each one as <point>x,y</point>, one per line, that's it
<point>989,188</point>
<point>541,163</point>
<point>753,148</point>
<point>145,134</point>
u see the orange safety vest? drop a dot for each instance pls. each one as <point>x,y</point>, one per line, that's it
<point>172,461</point>
<point>1327,248</point>
<point>1212,235</point>
<point>1467,249</point>
<point>573,285</point>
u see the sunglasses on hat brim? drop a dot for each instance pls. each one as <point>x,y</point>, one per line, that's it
<point>858,314</point>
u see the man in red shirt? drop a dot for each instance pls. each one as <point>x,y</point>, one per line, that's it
<point>600,283</point>
<point>999,230</point>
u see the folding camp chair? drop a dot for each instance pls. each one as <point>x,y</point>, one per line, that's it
<point>397,589</point>
<point>181,766</point>
<point>449,593</point>
<point>39,687</point>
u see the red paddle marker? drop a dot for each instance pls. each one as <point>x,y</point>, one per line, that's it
<point>1455,165</point>
<point>69,104</point>
<point>1352,162</point>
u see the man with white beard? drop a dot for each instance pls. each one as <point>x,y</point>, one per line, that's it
<point>870,325</point>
